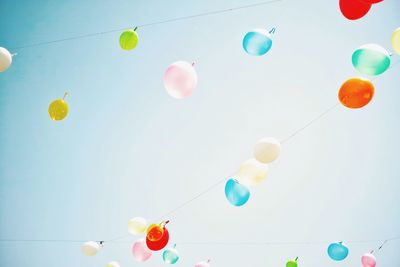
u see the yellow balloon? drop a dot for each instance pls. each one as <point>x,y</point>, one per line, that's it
<point>137,225</point>
<point>252,172</point>
<point>58,109</point>
<point>396,40</point>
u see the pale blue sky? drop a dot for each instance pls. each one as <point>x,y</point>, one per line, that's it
<point>128,149</point>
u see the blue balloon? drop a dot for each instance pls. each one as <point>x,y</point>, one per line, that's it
<point>236,193</point>
<point>258,42</point>
<point>338,251</point>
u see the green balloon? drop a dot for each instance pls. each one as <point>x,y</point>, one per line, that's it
<point>292,263</point>
<point>371,59</point>
<point>128,40</point>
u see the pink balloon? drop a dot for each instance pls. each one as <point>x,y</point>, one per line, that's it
<point>180,79</point>
<point>203,264</point>
<point>140,251</point>
<point>368,260</point>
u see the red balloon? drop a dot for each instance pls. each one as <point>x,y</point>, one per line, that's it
<point>371,1</point>
<point>354,9</point>
<point>160,244</point>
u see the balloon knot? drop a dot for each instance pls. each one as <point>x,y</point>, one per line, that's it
<point>272,31</point>
<point>65,95</point>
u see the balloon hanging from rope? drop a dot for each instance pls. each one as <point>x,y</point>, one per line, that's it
<point>180,79</point>
<point>371,59</point>
<point>58,109</point>
<point>5,59</point>
<point>258,41</point>
<point>129,39</point>
<point>356,93</point>
<point>236,193</point>
<point>338,251</point>
<point>140,251</point>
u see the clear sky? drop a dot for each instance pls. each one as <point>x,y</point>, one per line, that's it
<point>128,149</point>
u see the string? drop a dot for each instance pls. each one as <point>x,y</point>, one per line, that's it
<point>311,122</point>
<point>210,13</point>
<point>220,243</point>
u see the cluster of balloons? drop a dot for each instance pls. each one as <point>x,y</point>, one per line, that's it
<point>252,172</point>
<point>371,60</point>
<point>157,237</point>
<point>258,41</point>
<point>356,9</point>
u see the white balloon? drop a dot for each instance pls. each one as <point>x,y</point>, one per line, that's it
<point>203,264</point>
<point>90,248</point>
<point>137,225</point>
<point>267,150</point>
<point>252,172</point>
<point>113,264</point>
<point>5,59</point>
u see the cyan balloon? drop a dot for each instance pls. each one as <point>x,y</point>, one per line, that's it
<point>236,193</point>
<point>170,255</point>
<point>338,251</point>
<point>371,59</point>
<point>258,42</point>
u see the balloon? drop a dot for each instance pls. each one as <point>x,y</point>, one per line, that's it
<point>58,109</point>
<point>90,248</point>
<point>267,150</point>
<point>155,232</point>
<point>5,59</point>
<point>236,193</point>
<point>292,263</point>
<point>180,79</point>
<point>338,251</point>
<point>203,264</point>
<point>368,260</point>
<point>252,172</point>
<point>160,244</point>
<point>137,225</point>
<point>140,251</point>
<point>258,42</point>
<point>396,40</point>
<point>356,92</point>
<point>371,1</point>
<point>354,9</point>
<point>129,39</point>
<point>113,264</point>
<point>170,255</point>
<point>371,59</point>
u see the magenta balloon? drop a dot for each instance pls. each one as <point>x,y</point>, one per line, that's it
<point>368,260</point>
<point>180,79</point>
<point>140,251</point>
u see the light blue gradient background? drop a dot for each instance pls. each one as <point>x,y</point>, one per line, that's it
<point>128,149</point>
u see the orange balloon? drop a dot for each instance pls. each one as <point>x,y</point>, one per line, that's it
<point>356,92</point>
